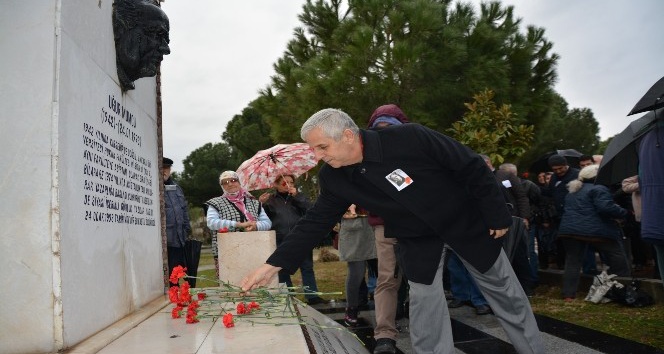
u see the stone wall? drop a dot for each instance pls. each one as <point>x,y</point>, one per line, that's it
<point>81,240</point>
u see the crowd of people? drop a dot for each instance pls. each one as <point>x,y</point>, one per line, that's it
<point>435,208</point>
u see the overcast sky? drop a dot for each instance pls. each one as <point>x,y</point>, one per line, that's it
<point>222,54</point>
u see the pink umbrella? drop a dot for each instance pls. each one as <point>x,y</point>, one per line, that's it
<point>260,171</point>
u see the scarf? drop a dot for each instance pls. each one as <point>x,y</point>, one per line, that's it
<point>238,200</point>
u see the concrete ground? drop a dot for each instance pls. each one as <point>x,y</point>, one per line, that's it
<point>151,330</point>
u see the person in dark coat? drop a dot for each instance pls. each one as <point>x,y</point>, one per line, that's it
<point>557,190</point>
<point>178,226</point>
<point>589,219</point>
<point>651,183</point>
<point>431,191</point>
<point>516,242</point>
<point>562,175</point>
<point>285,206</point>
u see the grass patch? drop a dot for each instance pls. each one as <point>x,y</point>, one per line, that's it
<point>204,283</point>
<point>644,325</point>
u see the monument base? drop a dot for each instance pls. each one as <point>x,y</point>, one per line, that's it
<point>163,334</point>
<point>242,252</point>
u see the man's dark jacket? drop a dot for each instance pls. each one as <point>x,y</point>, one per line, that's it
<point>514,193</point>
<point>177,216</point>
<point>453,199</point>
<point>558,189</point>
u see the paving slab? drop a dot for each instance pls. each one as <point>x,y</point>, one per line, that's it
<point>475,334</point>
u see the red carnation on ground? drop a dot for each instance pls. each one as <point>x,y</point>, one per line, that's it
<point>173,293</point>
<point>177,273</point>
<point>193,306</point>
<point>228,320</point>
<point>242,309</point>
<point>185,295</point>
<point>176,312</point>
<point>191,317</point>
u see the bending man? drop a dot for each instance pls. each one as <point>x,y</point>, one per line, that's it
<point>431,191</point>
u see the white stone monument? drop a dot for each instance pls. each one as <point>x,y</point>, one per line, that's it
<point>80,242</point>
<point>242,252</point>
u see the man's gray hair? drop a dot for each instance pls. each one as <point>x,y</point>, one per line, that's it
<point>331,121</point>
<point>509,167</point>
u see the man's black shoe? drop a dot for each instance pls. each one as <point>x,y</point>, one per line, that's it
<point>529,291</point>
<point>457,303</point>
<point>483,310</point>
<point>317,300</point>
<point>385,346</point>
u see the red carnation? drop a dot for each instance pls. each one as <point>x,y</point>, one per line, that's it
<point>194,305</point>
<point>228,320</point>
<point>191,317</point>
<point>241,309</point>
<point>173,293</point>
<point>177,273</point>
<point>185,296</point>
<point>176,312</point>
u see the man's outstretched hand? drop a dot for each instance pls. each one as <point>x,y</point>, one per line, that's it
<point>497,233</point>
<point>259,277</point>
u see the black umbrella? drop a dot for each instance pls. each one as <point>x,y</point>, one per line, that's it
<point>192,251</point>
<point>542,163</point>
<point>653,99</point>
<point>621,158</point>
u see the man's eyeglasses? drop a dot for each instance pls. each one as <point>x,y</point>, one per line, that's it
<point>229,181</point>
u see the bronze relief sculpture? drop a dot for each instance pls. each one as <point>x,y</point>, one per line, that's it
<point>140,29</point>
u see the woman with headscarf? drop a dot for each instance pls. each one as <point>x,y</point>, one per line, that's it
<point>589,219</point>
<point>234,210</point>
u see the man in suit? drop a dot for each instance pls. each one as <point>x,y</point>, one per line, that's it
<point>445,195</point>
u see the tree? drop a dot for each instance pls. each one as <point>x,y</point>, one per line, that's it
<point>564,129</point>
<point>581,130</point>
<point>426,56</point>
<point>491,130</point>
<point>200,177</point>
<point>601,148</point>
<point>247,133</point>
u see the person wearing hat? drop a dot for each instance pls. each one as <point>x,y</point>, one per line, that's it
<point>178,226</point>
<point>557,190</point>
<point>234,210</point>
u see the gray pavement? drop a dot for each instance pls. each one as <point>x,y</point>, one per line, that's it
<point>475,334</point>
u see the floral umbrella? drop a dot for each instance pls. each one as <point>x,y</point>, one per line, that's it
<point>260,171</point>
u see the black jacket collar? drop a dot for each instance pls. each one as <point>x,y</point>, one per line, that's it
<point>371,151</point>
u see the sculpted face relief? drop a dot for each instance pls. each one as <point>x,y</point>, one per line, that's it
<point>141,39</point>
